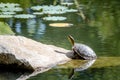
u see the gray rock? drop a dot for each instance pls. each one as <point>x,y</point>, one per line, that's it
<point>29,54</point>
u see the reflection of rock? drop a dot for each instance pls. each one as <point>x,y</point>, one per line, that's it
<point>9,75</point>
<point>28,54</point>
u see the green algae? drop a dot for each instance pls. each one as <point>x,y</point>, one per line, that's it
<point>106,62</point>
<point>99,63</point>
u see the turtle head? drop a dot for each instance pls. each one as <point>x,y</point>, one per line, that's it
<point>71,39</point>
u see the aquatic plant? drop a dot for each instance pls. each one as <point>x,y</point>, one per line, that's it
<point>67,3</point>
<point>36,8</point>
<point>24,16</point>
<point>9,4</point>
<point>52,9</point>
<point>48,8</point>
<point>10,7</point>
<point>55,18</point>
<point>38,13</point>
<point>8,13</point>
<point>72,10</point>
<point>5,16</point>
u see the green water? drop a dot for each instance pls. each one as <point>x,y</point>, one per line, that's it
<point>100,31</point>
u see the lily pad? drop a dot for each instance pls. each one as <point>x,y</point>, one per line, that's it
<point>10,7</point>
<point>54,12</point>
<point>24,16</point>
<point>52,9</point>
<point>38,13</point>
<point>37,8</point>
<point>9,4</point>
<point>6,16</point>
<point>55,18</point>
<point>7,13</point>
<point>60,24</point>
<point>48,8</point>
<point>72,10</point>
<point>67,3</point>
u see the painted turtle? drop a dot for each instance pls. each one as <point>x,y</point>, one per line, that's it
<point>81,50</point>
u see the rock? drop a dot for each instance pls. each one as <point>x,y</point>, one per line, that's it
<point>28,54</point>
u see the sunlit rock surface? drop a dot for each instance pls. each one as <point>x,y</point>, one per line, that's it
<point>29,54</point>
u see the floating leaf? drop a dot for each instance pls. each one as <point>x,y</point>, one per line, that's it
<point>67,3</point>
<point>72,10</point>
<point>6,16</point>
<point>10,7</point>
<point>48,8</point>
<point>54,18</point>
<point>7,13</point>
<point>24,16</point>
<point>38,13</point>
<point>52,9</point>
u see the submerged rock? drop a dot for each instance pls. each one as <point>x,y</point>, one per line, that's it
<point>28,54</point>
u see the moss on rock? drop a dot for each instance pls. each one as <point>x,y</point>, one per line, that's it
<point>5,29</point>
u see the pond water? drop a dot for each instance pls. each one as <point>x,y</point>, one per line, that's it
<point>98,27</point>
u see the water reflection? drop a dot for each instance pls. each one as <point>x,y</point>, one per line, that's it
<point>10,22</point>
<point>85,66</point>
<point>18,27</point>
<point>105,68</point>
<point>9,75</point>
<point>31,24</point>
<point>82,67</point>
<point>63,72</point>
<point>105,73</point>
<point>34,28</point>
<point>40,29</point>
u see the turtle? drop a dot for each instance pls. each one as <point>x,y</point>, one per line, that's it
<point>81,50</point>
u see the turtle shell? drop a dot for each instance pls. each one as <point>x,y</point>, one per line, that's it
<point>84,51</point>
